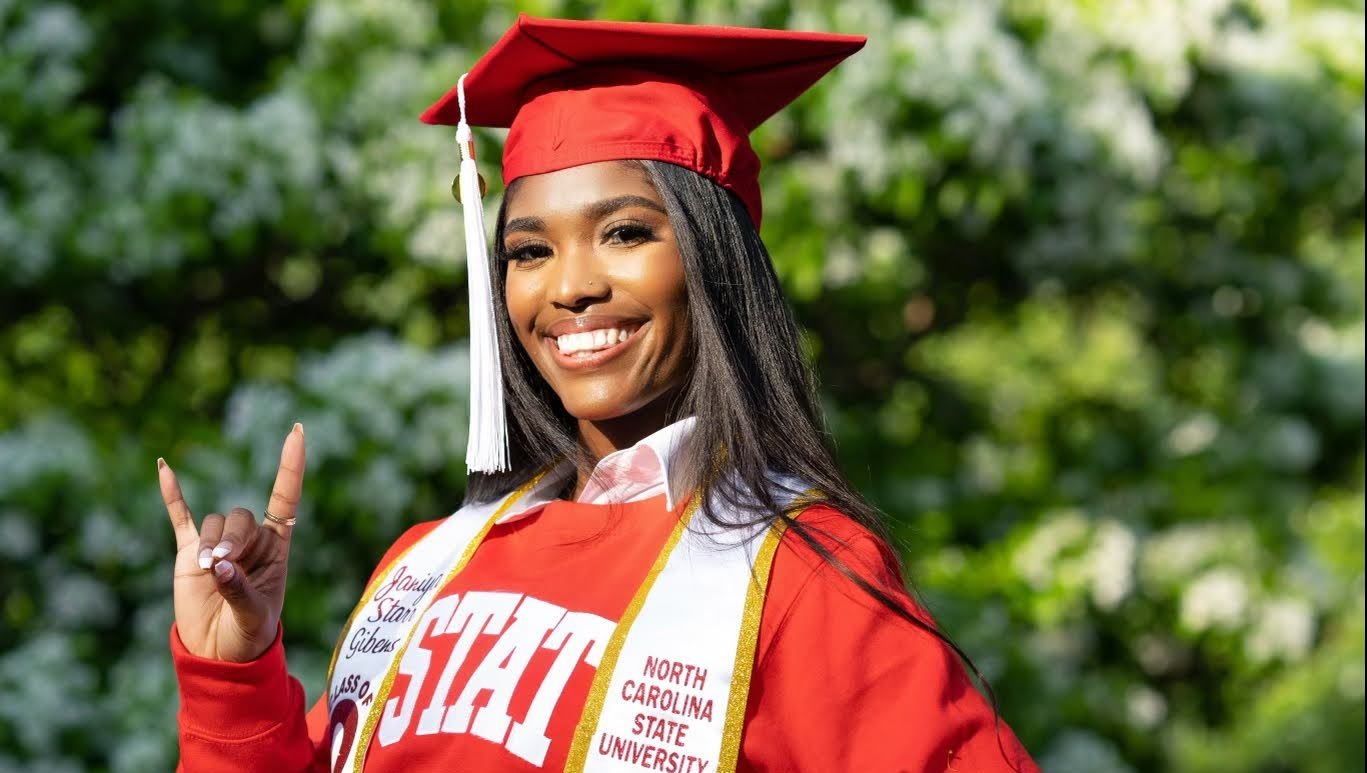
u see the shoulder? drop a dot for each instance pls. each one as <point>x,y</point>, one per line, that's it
<point>824,569</point>
<point>480,510</point>
<point>853,683</point>
<point>469,509</point>
<point>824,541</point>
<point>405,541</point>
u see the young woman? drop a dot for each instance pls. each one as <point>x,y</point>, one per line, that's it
<point>660,567</point>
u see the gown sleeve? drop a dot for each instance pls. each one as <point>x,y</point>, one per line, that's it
<point>841,683</point>
<point>250,716</point>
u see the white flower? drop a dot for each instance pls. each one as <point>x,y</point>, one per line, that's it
<point>1285,628</point>
<point>53,30</point>
<point>1172,557</point>
<point>18,536</point>
<point>79,601</point>
<point>439,239</point>
<point>1193,435</point>
<point>1145,706</point>
<point>1112,558</point>
<point>1037,557</point>
<point>1217,599</point>
<point>843,265</point>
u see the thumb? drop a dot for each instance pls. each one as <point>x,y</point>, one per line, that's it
<point>248,606</point>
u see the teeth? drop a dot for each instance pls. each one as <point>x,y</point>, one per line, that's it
<point>573,343</point>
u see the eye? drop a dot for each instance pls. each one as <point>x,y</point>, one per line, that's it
<point>629,234</point>
<point>527,254</point>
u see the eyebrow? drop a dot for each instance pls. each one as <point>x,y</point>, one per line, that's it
<point>595,211</point>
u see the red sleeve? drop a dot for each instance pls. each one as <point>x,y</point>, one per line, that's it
<point>240,716</point>
<point>842,683</point>
<point>250,716</point>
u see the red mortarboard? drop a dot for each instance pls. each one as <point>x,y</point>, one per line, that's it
<point>577,92</point>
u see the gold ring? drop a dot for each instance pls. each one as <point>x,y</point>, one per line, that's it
<point>282,521</point>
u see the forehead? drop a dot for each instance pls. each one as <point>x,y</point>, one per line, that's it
<point>571,190</point>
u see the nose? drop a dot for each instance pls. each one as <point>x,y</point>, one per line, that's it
<point>580,280</point>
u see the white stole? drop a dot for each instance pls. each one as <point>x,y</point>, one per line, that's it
<point>671,690</point>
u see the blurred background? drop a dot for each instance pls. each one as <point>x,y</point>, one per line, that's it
<point>1083,281</point>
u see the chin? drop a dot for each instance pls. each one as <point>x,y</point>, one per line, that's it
<point>595,410</point>
<point>605,405</point>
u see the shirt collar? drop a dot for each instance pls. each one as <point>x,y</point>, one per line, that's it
<point>656,457</point>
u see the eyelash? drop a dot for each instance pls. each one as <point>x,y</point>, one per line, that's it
<point>524,253</point>
<point>632,233</point>
<point>622,235</point>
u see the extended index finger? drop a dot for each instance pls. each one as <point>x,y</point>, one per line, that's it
<point>289,481</point>
<point>182,520</point>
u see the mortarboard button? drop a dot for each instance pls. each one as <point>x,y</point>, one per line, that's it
<point>455,187</point>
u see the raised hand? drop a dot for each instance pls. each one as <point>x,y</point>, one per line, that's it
<point>230,572</point>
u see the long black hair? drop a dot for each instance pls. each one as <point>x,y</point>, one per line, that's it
<point>749,386</point>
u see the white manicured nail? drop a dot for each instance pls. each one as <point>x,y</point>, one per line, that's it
<point>223,549</point>
<point>206,558</point>
<point>224,570</point>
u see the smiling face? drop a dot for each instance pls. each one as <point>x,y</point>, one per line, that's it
<point>595,290</point>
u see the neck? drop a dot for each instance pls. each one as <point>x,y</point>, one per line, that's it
<point>602,437</point>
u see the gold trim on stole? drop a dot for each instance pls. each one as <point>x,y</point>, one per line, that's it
<point>370,592</point>
<point>373,718</point>
<point>745,650</point>
<point>598,693</point>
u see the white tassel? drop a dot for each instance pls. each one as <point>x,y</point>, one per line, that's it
<point>487,450</point>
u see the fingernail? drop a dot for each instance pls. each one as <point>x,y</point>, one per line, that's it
<point>299,428</point>
<point>224,548</point>
<point>161,463</point>
<point>206,558</point>
<point>223,570</point>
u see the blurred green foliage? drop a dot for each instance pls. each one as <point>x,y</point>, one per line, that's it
<point>1084,282</point>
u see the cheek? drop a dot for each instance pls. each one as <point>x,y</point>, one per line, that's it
<point>669,287</point>
<point>674,283</point>
<point>655,278</point>
<point>520,293</point>
<point>659,282</point>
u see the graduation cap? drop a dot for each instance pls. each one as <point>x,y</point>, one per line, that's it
<point>580,92</point>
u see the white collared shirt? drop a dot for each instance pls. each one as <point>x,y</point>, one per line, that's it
<point>629,475</point>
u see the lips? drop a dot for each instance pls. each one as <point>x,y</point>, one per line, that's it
<point>578,343</point>
<point>594,340</point>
